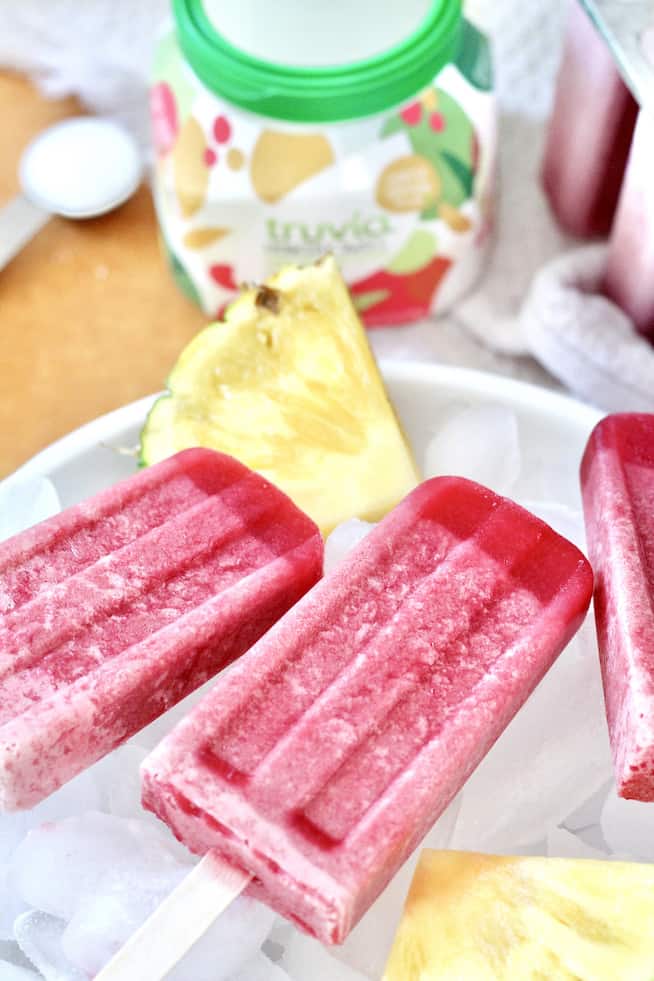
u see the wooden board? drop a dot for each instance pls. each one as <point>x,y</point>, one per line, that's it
<point>89,316</point>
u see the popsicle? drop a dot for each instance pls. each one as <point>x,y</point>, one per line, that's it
<point>321,759</point>
<point>617,480</point>
<point>629,279</point>
<point>589,133</point>
<point>117,608</point>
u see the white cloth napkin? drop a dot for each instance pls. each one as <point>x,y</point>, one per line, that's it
<point>99,50</point>
<point>585,339</point>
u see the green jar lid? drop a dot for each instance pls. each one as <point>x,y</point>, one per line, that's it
<point>325,94</point>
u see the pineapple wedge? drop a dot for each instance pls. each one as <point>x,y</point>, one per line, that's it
<point>288,385</point>
<point>472,917</point>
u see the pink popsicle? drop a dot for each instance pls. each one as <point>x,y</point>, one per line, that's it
<point>115,609</point>
<point>589,134</point>
<point>617,480</point>
<point>629,279</point>
<point>321,760</point>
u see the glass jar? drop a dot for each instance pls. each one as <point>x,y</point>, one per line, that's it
<point>589,134</point>
<point>284,131</point>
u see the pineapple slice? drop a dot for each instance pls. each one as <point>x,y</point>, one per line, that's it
<point>288,385</point>
<point>472,917</point>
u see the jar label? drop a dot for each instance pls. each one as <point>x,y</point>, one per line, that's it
<point>403,199</point>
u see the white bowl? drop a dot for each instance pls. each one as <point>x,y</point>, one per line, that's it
<point>552,433</point>
<point>553,430</point>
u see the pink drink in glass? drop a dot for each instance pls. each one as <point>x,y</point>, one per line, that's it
<point>629,277</point>
<point>590,133</point>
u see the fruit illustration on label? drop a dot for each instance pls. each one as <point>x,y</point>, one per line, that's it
<point>223,275</point>
<point>442,136</point>
<point>235,158</point>
<point>408,184</point>
<point>412,114</point>
<point>163,116</point>
<point>280,161</point>
<point>222,129</point>
<point>454,218</point>
<point>171,95</point>
<point>429,99</point>
<point>406,289</point>
<point>417,251</point>
<point>200,238</point>
<point>221,133</point>
<point>190,168</point>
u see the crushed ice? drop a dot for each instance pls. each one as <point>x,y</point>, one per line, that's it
<point>480,443</point>
<point>342,540</point>
<point>87,881</point>
<point>83,869</point>
<point>24,501</point>
<point>9,971</point>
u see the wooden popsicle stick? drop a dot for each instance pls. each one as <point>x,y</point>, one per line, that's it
<point>181,919</point>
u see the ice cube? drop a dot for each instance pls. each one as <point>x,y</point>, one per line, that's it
<point>11,953</point>
<point>568,521</point>
<point>278,937</point>
<point>24,502</point>
<point>13,828</point>
<point>123,899</point>
<point>563,844</point>
<point>588,814</point>
<point>81,794</point>
<point>11,905</point>
<point>59,865</point>
<point>260,968</point>
<point>12,831</point>
<point>305,957</point>
<point>119,778</point>
<point>551,758</point>
<point>343,539</point>
<point>628,827</point>
<point>479,442</point>
<point>229,943</point>
<point>11,972</point>
<point>39,937</point>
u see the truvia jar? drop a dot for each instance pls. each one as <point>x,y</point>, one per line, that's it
<point>290,129</point>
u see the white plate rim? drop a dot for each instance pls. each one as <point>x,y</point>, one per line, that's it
<point>459,380</point>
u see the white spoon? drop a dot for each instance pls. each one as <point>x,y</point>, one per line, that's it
<point>80,168</point>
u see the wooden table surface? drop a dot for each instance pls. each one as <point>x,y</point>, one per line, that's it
<point>89,317</point>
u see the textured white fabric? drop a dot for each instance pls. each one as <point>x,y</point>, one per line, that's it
<point>526,237</point>
<point>101,51</point>
<point>584,339</point>
<point>526,37</point>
